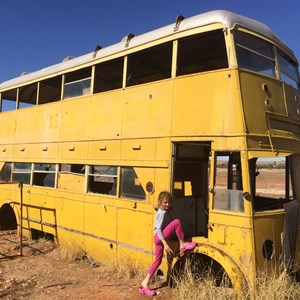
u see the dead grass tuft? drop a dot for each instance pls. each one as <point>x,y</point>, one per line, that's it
<point>73,252</point>
<point>203,286</point>
<point>127,268</point>
<point>268,286</point>
<point>276,286</point>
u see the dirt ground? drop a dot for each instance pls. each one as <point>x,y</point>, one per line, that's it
<point>42,273</point>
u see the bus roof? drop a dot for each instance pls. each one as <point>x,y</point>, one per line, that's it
<point>226,18</point>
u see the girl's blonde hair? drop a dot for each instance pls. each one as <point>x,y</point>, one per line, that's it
<point>164,195</point>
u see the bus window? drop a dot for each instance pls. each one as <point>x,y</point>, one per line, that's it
<point>22,172</point>
<point>44,175</point>
<point>228,191</point>
<point>201,52</point>
<point>77,83</point>
<point>108,75</point>
<point>288,70</point>
<point>130,185</point>
<point>27,95</point>
<point>9,100</point>
<point>270,183</point>
<point>255,54</point>
<point>71,177</point>
<point>50,90</point>
<point>5,173</point>
<point>149,65</point>
<point>103,180</point>
<point>72,168</point>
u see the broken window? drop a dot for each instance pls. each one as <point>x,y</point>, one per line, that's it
<point>149,65</point>
<point>103,180</point>
<point>71,177</point>
<point>77,83</point>
<point>50,90</point>
<point>9,100</point>
<point>130,185</point>
<point>108,75</point>
<point>44,175</point>
<point>201,52</point>
<point>27,95</point>
<point>5,173</point>
<point>271,182</point>
<point>22,172</point>
<point>228,189</point>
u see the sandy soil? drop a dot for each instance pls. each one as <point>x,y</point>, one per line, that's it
<point>42,273</point>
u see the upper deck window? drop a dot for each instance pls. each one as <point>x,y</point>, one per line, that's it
<point>9,100</point>
<point>149,65</point>
<point>201,52</point>
<point>108,75</point>
<point>255,54</point>
<point>27,95</point>
<point>77,83</point>
<point>288,70</point>
<point>50,90</point>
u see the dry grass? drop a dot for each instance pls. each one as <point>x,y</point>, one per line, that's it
<point>127,268</point>
<point>72,252</point>
<point>202,287</point>
<point>274,286</point>
<point>268,286</point>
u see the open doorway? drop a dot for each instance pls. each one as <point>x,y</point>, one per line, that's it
<point>191,161</point>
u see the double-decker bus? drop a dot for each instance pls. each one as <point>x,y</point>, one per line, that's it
<point>207,108</point>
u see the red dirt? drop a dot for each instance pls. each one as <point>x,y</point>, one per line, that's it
<point>43,273</point>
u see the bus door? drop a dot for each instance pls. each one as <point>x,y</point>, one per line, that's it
<point>190,186</point>
<point>275,209</point>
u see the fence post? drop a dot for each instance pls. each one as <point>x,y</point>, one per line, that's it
<point>21,217</point>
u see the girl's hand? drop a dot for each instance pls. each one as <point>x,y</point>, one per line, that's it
<point>168,249</point>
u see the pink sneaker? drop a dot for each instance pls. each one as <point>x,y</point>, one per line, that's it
<point>188,246</point>
<point>147,292</point>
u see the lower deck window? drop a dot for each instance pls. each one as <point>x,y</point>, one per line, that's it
<point>130,185</point>
<point>228,190</point>
<point>22,172</point>
<point>102,180</point>
<point>271,182</point>
<point>5,173</point>
<point>44,175</point>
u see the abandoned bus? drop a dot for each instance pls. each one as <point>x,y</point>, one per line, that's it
<point>203,108</point>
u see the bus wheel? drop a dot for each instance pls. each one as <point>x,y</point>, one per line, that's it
<point>199,267</point>
<point>8,219</point>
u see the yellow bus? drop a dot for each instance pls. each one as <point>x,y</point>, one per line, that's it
<point>207,108</point>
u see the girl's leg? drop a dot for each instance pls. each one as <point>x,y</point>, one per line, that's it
<point>174,226</point>
<point>159,253</point>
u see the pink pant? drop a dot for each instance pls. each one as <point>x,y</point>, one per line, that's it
<point>174,226</point>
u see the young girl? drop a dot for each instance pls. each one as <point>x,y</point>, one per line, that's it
<point>164,228</point>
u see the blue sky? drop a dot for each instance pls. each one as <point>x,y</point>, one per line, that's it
<point>38,33</point>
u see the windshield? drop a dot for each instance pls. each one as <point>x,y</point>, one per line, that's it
<point>258,55</point>
<point>288,70</point>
